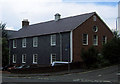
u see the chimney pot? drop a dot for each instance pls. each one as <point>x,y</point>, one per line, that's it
<point>25,22</point>
<point>57,16</point>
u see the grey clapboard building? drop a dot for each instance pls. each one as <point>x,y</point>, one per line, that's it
<point>58,40</point>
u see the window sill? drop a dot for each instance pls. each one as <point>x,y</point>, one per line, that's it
<point>23,47</point>
<point>35,46</point>
<point>95,44</point>
<point>34,63</point>
<point>85,44</point>
<point>53,45</point>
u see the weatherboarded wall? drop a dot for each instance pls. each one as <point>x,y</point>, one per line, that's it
<point>43,50</point>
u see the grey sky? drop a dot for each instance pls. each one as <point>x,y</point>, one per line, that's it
<point>12,12</point>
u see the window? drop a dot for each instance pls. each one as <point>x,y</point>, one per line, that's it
<point>95,28</point>
<point>53,58</point>
<point>35,58</point>
<point>14,43</point>
<point>35,41</point>
<point>24,42</point>
<point>94,18</point>
<point>95,40</point>
<point>104,40</point>
<point>23,58</point>
<point>14,58</point>
<point>85,39</point>
<point>53,40</point>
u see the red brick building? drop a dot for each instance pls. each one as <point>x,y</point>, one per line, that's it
<point>94,27</point>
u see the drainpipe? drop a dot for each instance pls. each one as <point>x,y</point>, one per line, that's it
<point>60,46</point>
<point>9,52</point>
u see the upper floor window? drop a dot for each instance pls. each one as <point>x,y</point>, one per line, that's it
<point>53,58</point>
<point>14,58</point>
<point>95,28</point>
<point>94,18</point>
<point>95,40</point>
<point>24,42</point>
<point>104,40</point>
<point>23,58</point>
<point>35,41</point>
<point>85,39</point>
<point>35,57</point>
<point>14,43</point>
<point>53,40</point>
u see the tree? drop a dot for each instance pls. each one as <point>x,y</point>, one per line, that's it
<point>5,50</point>
<point>111,50</point>
<point>90,57</point>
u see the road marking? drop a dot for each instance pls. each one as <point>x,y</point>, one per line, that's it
<point>85,80</point>
<point>76,80</point>
<point>118,74</point>
<point>99,75</point>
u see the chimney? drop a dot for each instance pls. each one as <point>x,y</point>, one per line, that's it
<point>57,16</point>
<point>25,22</point>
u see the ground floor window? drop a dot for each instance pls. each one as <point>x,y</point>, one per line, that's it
<point>23,58</point>
<point>35,56</point>
<point>14,58</point>
<point>53,58</point>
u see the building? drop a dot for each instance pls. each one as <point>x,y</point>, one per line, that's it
<point>58,40</point>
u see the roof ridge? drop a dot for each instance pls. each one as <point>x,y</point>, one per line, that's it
<point>62,18</point>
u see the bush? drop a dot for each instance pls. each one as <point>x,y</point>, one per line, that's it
<point>90,57</point>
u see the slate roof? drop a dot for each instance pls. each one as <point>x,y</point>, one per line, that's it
<point>62,25</point>
<point>10,32</point>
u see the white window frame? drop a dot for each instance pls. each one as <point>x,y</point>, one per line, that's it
<point>104,40</point>
<point>35,41</point>
<point>53,40</point>
<point>14,58</point>
<point>51,57</point>
<point>24,42</point>
<point>34,58</point>
<point>95,41</point>
<point>23,57</point>
<point>83,39</point>
<point>94,18</point>
<point>14,45</point>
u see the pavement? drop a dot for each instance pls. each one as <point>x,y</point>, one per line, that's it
<point>6,73</point>
<point>104,75</point>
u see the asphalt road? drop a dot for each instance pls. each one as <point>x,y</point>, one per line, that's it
<point>101,76</point>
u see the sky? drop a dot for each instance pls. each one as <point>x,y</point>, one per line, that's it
<point>12,12</point>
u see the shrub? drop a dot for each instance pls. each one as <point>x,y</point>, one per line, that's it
<point>90,57</point>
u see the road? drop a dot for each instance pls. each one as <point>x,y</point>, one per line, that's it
<point>105,75</point>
